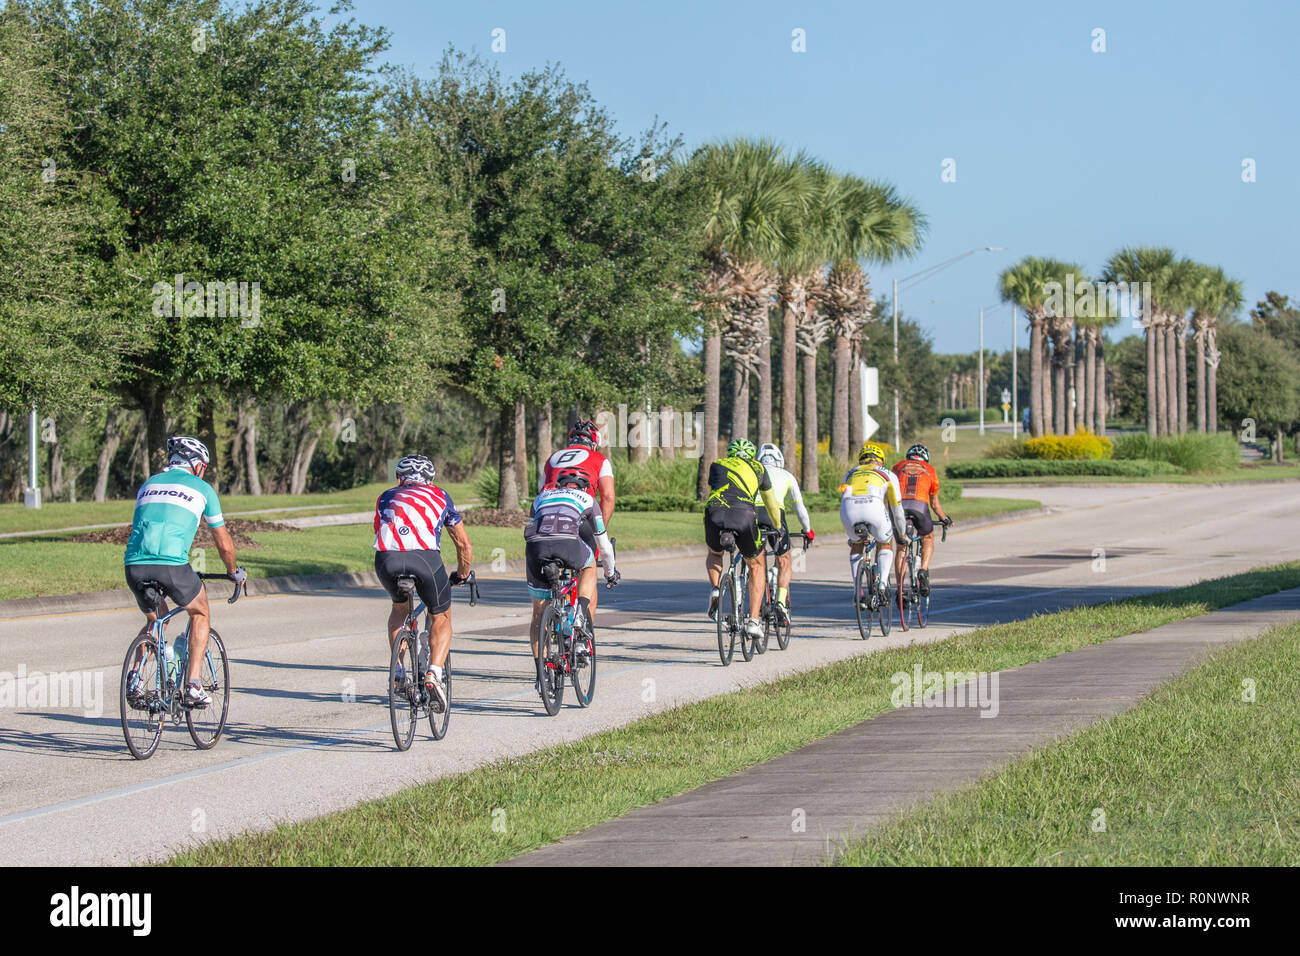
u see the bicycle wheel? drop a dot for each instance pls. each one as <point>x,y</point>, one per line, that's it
<point>885,615</point>
<point>438,722</point>
<point>902,599</point>
<point>582,667</point>
<point>403,690</point>
<point>142,709</point>
<point>207,723</point>
<point>741,582</point>
<point>726,619</point>
<point>550,663</point>
<point>861,594</point>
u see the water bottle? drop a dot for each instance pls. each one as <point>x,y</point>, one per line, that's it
<point>169,661</point>
<point>182,654</point>
<point>566,622</point>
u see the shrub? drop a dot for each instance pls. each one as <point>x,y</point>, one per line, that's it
<point>1035,467</point>
<point>1191,453</point>
<point>1006,448</point>
<point>657,502</point>
<point>1082,445</point>
<point>658,476</point>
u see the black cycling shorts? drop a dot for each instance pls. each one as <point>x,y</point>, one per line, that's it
<point>179,582</point>
<point>764,522</point>
<point>573,553</point>
<point>431,582</point>
<point>919,512</point>
<point>741,522</point>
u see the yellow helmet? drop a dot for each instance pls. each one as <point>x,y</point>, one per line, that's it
<point>873,449</point>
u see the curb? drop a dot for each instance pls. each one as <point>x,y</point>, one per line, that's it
<point>122,598</point>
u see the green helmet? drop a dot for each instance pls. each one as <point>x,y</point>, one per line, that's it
<point>741,448</point>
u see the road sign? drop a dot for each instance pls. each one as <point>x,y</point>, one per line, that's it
<point>869,426</point>
<point>869,382</point>
<point>1006,396</point>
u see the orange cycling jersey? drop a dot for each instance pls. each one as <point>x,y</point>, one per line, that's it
<point>919,480</point>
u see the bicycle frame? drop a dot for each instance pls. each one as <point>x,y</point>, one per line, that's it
<point>171,695</point>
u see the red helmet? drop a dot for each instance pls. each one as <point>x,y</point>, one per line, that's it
<point>584,433</point>
<point>573,478</point>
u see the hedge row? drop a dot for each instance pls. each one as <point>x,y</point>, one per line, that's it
<point>1036,467</point>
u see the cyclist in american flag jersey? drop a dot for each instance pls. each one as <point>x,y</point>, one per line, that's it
<point>409,519</point>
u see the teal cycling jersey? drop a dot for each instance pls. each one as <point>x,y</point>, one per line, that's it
<point>167,511</point>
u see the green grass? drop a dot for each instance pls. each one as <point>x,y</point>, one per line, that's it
<point>547,795</point>
<point>32,567</point>
<point>1266,472</point>
<point>1192,776</point>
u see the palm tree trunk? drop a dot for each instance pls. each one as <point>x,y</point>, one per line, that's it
<point>1162,379</point>
<point>1049,419</point>
<point>1181,342</point>
<point>739,400</point>
<point>855,401</point>
<point>1212,385</point>
<point>1071,389</point>
<point>1200,380</point>
<point>507,472</point>
<point>809,429</point>
<point>1101,388</point>
<point>840,398</point>
<point>1060,409</point>
<point>1171,380</point>
<point>712,357</point>
<point>1090,378</point>
<point>1151,378</point>
<point>789,394</point>
<point>765,390</point>
<point>1036,376</point>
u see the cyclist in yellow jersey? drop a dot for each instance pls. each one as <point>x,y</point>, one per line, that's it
<point>870,495</point>
<point>784,486</point>
<point>735,483</point>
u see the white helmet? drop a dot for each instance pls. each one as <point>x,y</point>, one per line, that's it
<point>769,454</point>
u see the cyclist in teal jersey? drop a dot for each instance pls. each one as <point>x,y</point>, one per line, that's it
<point>168,507</point>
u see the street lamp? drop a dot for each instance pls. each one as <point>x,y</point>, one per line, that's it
<point>921,277</point>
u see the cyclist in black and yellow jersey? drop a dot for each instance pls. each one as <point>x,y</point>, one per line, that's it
<point>735,483</point>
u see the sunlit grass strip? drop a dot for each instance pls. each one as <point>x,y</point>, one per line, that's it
<point>540,798</point>
<point>1193,775</point>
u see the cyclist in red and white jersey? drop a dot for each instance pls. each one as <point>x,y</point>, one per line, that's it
<point>409,519</point>
<point>581,454</point>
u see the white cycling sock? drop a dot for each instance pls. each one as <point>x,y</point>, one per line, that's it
<point>437,671</point>
<point>884,561</point>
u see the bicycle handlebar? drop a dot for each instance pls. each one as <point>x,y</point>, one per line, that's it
<point>471,580</point>
<point>227,577</point>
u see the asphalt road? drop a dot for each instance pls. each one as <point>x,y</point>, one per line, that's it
<point>309,733</point>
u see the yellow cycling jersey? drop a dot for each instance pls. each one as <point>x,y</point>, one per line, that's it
<point>872,481</point>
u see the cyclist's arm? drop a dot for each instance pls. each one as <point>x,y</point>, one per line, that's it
<point>894,502</point>
<point>938,509</point>
<point>225,547</point>
<point>799,509</point>
<point>464,550</point>
<point>606,485</point>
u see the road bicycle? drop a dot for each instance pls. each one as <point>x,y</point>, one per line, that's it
<point>866,602</point>
<point>566,649</point>
<point>910,599</point>
<point>152,689</point>
<point>408,697</point>
<point>772,619</point>
<point>733,602</point>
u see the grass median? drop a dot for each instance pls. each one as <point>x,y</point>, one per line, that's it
<point>542,797</point>
<point>1192,776</point>
<point>51,565</point>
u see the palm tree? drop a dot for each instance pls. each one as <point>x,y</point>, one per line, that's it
<point>1139,265</point>
<point>1060,326</point>
<point>1026,284</point>
<point>870,222</point>
<point>752,196</point>
<point>1180,285</point>
<point>1212,297</point>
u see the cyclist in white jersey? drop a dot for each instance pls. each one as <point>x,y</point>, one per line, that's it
<point>784,485</point>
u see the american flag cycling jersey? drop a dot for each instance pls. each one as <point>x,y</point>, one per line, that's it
<point>411,518</point>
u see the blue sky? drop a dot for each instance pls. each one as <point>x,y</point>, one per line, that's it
<point>1059,150</point>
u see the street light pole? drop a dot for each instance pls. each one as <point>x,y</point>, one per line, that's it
<point>1015,381</point>
<point>980,385</point>
<point>925,274</point>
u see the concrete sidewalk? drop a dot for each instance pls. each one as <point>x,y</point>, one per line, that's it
<point>843,784</point>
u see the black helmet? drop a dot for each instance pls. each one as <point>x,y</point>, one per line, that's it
<point>919,451</point>
<point>584,433</point>
<point>573,478</point>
